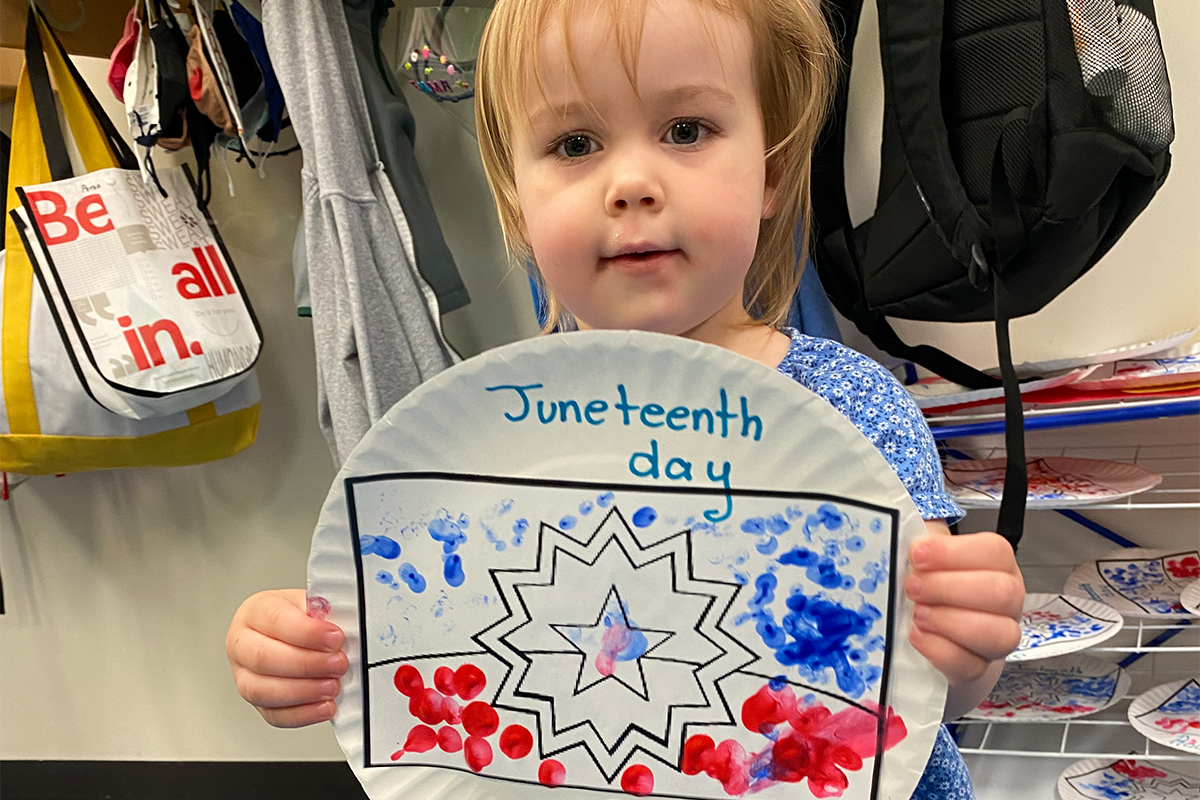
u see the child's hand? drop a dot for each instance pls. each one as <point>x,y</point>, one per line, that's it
<point>285,663</point>
<point>968,592</point>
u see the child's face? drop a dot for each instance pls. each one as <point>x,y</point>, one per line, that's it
<point>675,167</point>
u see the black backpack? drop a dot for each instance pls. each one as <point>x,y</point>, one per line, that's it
<point>1010,165</point>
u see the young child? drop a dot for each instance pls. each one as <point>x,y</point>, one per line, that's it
<point>651,157</point>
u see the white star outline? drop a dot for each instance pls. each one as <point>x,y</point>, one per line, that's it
<point>676,550</point>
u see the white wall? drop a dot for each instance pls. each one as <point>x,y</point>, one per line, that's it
<point>120,584</point>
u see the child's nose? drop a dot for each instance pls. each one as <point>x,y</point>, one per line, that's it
<point>633,187</point>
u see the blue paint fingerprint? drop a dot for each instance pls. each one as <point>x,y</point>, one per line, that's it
<point>793,513</point>
<point>385,577</point>
<point>585,508</point>
<point>876,525</point>
<point>504,507</point>
<point>452,570</point>
<point>496,542</point>
<point>855,544</point>
<point>767,547</point>
<point>777,683</point>
<point>605,500</point>
<point>383,546</point>
<point>776,524</point>
<point>567,522</point>
<point>464,521</point>
<point>409,574</point>
<point>764,591</point>
<point>644,516</point>
<point>821,570</point>
<point>754,525</point>
<point>520,526</point>
<point>448,533</point>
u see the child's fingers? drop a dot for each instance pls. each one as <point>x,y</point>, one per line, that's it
<point>299,716</point>
<point>985,551</point>
<point>989,636</point>
<point>281,615</point>
<point>956,663</point>
<point>267,691</point>
<point>982,590</point>
<point>266,656</point>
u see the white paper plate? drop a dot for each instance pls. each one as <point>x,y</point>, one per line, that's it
<point>1063,688</point>
<point>1137,581</point>
<point>554,594</point>
<point>1170,715</point>
<point>1055,624</point>
<point>1131,778</point>
<point>1123,353</point>
<point>1146,374</point>
<point>935,392</point>
<point>1053,482</point>
<point>1189,598</point>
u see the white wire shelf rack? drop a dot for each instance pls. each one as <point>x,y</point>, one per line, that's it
<point>1103,411</point>
<point>1179,466</point>
<point>1105,738</point>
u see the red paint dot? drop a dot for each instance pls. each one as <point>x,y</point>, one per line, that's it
<point>697,754</point>
<point>516,741</point>
<point>421,739</point>
<point>451,711</point>
<point>469,680</point>
<point>478,753</point>
<point>408,680</point>
<point>449,740</point>
<point>638,780</point>
<point>124,322</point>
<point>197,349</point>
<point>480,719</point>
<point>443,679</point>
<point>426,705</point>
<point>552,773</point>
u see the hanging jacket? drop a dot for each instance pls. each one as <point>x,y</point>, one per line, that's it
<point>375,338</point>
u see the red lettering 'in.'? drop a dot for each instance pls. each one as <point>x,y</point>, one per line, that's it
<point>150,337</point>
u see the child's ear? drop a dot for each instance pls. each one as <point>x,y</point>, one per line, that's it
<point>770,201</point>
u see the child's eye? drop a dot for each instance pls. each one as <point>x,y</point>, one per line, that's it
<point>575,145</point>
<point>687,131</point>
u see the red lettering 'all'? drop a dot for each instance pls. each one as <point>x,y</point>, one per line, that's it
<point>56,215</point>
<point>192,285</point>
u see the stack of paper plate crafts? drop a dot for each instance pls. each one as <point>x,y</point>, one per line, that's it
<point>1189,598</point>
<point>1053,482</point>
<point>1125,779</point>
<point>1055,624</point>
<point>936,394</point>
<point>1170,715</point>
<point>1138,582</point>
<point>572,563</point>
<point>1059,688</point>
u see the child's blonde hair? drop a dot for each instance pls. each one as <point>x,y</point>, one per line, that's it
<point>795,67</point>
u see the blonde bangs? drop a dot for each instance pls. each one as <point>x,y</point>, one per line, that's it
<point>795,67</point>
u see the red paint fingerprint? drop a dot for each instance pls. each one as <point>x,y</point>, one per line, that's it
<point>449,740</point>
<point>443,679</point>
<point>477,752</point>
<point>408,680</point>
<point>480,719</point>
<point>766,708</point>
<point>552,773</point>
<point>469,680</point>
<point>421,739</point>
<point>426,705</point>
<point>697,754</point>
<point>1186,567</point>
<point>451,711</point>
<point>516,741</point>
<point>638,780</point>
<point>1136,771</point>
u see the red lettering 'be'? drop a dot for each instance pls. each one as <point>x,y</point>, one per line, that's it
<point>88,212</point>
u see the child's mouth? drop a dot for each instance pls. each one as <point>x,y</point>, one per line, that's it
<point>639,262</point>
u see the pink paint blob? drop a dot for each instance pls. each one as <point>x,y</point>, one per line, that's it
<point>637,780</point>
<point>317,606</point>
<point>552,773</point>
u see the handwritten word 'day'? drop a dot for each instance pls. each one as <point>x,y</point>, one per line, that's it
<point>720,421</point>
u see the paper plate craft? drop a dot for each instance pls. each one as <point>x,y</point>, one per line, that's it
<point>1189,598</point>
<point>1055,689</point>
<point>1055,624</point>
<point>1053,482</point>
<point>1136,581</point>
<point>1127,779</point>
<point>1170,715</point>
<point>1124,353</point>
<point>1181,371</point>
<point>623,563</point>
<point>935,394</point>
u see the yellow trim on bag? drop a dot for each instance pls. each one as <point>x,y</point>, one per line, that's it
<point>201,414</point>
<point>216,438</point>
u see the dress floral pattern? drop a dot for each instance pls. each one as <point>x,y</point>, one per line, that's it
<point>871,398</point>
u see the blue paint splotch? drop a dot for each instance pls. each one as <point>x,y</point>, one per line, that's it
<point>605,499</point>
<point>767,546</point>
<point>452,570</point>
<point>567,523</point>
<point>409,574</point>
<point>519,528</point>
<point>383,546</point>
<point>622,641</point>
<point>448,532</point>
<point>820,569</point>
<point>644,517</point>
<point>385,577</point>
<point>585,508</point>
<point>496,542</point>
<point>827,516</point>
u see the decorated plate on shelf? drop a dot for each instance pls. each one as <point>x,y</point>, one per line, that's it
<point>1123,353</point>
<point>1189,598</point>
<point>1170,715</point>
<point>1159,373</point>
<point>1138,582</point>
<point>1063,687</point>
<point>1056,482</point>
<point>935,393</point>
<point>1055,624</point>
<point>568,563</point>
<point>1130,778</point>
